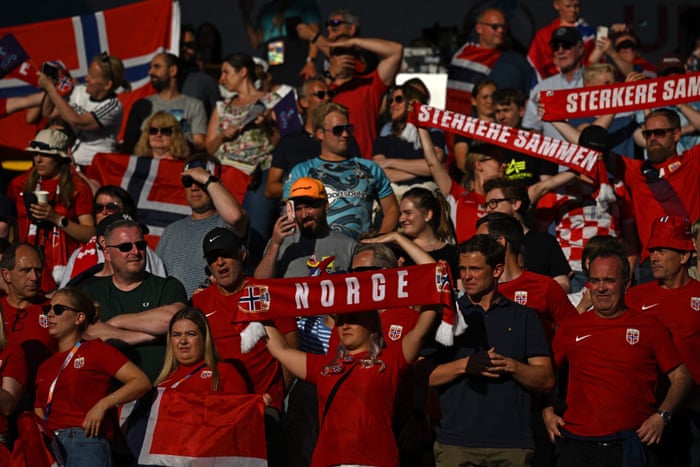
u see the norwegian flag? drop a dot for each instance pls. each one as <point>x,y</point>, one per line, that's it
<point>256,298</point>
<point>632,336</point>
<point>135,33</point>
<point>695,303</point>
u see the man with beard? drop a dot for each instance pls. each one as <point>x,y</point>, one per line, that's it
<point>567,50</point>
<point>302,241</point>
<point>164,74</point>
<point>212,206</point>
<point>666,184</point>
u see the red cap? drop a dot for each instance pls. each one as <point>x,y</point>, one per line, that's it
<point>671,232</point>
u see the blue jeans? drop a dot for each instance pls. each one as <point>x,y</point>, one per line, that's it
<point>81,451</point>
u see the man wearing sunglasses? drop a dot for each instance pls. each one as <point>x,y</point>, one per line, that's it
<point>567,48</point>
<point>24,323</point>
<point>212,206</point>
<point>136,306</point>
<point>352,183</point>
<point>164,74</point>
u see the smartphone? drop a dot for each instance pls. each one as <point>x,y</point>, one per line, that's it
<point>290,210</point>
<point>290,24</point>
<point>601,32</point>
<point>50,70</point>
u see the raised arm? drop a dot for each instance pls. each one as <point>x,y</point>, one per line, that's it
<point>389,52</point>
<point>292,359</point>
<point>413,341</point>
<point>437,168</point>
<point>82,122</point>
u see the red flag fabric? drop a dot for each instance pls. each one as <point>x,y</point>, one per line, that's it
<point>75,41</point>
<point>469,65</point>
<point>155,186</point>
<point>621,97</point>
<point>30,449</point>
<point>578,158</point>
<point>214,428</point>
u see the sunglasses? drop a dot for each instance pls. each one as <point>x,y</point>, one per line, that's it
<point>334,23</point>
<point>627,44</point>
<point>657,132</point>
<point>110,207</point>
<point>165,131</point>
<point>58,309</point>
<point>338,130</point>
<point>128,246</point>
<point>188,45</point>
<point>493,203</point>
<point>321,94</point>
<point>188,181</point>
<point>212,258</point>
<point>105,58</point>
<point>563,45</point>
<point>496,26</point>
<point>396,99</point>
<point>18,325</point>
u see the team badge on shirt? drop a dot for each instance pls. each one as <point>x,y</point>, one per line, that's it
<point>205,374</point>
<point>695,303</point>
<point>632,336</point>
<point>520,297</point>
<point>79,362</point>
<point>256,298</point>
<point>43,320</point>
<point>395,332</point>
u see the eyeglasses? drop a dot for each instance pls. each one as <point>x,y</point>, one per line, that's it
<point>18,325</point>
<point>626,44</point>
<point>496,26</point>
<point>338,130</point>
<point>334,23</point>
<point>493,203</point>
<point>57,308</point>
<point>657,132</point>
<point>105,58</point>
<point>321,94</point>
<point>110,207</point>
<point>165,131</point>
<point>128,246</point>
<point>563,45</point>
<point>396,99</point>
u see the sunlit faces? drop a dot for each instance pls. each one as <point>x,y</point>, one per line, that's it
<point>355,329</point>
<point>69,319</point>
<point>497,202</point>
<point>227,269</point>
<point>231,78</point>
<point>106,205</point>
<point>567,56</point>
<point>310,216</point>
<point>601,79</point>
<point>660,148</point>
<point>47,166</point>
<point>337,26</point>
<point>490,167</point>
<point>397,105</point>
<point>187,342</point>
<point>666,263</point>
<point>198,199</point>
<point>316,93</point>
<point>492,29</point>
<point>412,219</point>
<point>330,142</point>
<point>159,72</point>
<point>478,278</point>
<point>569,11</point>
<point>129,262</point>
<point>97,85</point>
<point>25,278</point>
<point>509,114</point>
<point>607,285</point>
<point>483,102</point>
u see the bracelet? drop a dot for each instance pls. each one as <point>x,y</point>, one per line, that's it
<point>318,34</point>
<point>310,59</point>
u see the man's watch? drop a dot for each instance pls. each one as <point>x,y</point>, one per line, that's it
<point>210,180</point>
<point>666,416</point>
<point>63,222</point>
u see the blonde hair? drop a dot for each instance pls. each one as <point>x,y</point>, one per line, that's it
<point>211,357</point>
<point>112,68</point>
<point>596,69</point>
<point>179,148</point>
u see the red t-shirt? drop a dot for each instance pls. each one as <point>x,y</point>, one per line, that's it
<point>86,379</point>
<point>264,372</point>
<point>357,428</point>
<point>541,293</point>
<point>12,365</point>
<point>540,53</point>
<point>679,310</point>
<point>613,369</point>
<point>682,173</point>
<point>29,329</point>
<point>192,378</point>
<point>465,209</point>
<point>363,96</point>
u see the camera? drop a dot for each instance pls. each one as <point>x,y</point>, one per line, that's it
<point>50,70</point>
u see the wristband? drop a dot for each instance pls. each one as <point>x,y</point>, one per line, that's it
<point>318,34</point>
<point>210,180</point>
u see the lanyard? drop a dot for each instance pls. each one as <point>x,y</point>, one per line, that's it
<point>177,383</point>
<point>49,398</point>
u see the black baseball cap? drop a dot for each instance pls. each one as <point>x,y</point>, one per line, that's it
<point>221,240</point>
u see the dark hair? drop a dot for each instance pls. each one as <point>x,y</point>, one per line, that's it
<point>493,251</point>
<point>120,193</point>
<point>507,96</point>
<point>209,43</point>
<point>240,60</point>
<point>9,257</point>
<point>79,299</point>
<point>601,243</point>
<point>511,189</point>
<point>673,119</point>
<point>508,227</point>
<point>427,200</point>
<point>419,85</point>
<point>482,84</point>
<point>613,253</point>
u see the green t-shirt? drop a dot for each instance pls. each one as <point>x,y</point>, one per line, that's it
<point>153,292</point>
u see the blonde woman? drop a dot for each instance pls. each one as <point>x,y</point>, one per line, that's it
<point>162,138</point>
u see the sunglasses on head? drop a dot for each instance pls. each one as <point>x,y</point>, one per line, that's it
<point>657,132</point>
<point>128,246</point>
<point>338,130</point>
<point>165,131</point>
<point>333,23</point>
<point>626,44</point>
<point>397,99</point>
<point>564,45</point>
<point>105,58</point>
<point>110,207</point>
<point>57,308</point>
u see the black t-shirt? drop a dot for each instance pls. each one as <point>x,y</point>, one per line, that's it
<point>543,255</point>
